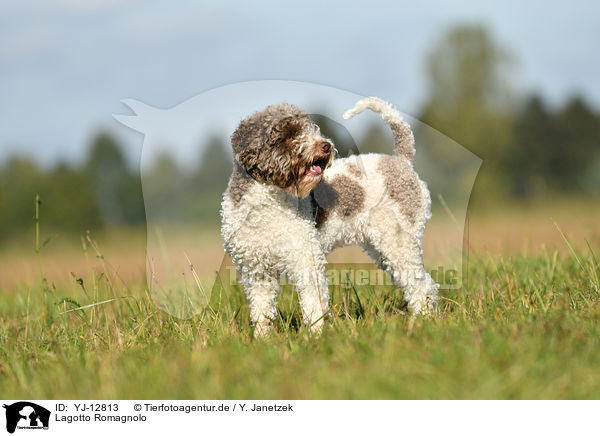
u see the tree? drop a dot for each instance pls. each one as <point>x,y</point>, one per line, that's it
<point>20,179</point>
<point>117,190</point>
<point>580,147</point>
<point>164,189</point>
<point>466,68</point>
<point>67,203</point>
<point>470,101</point>
<point>554,151</point>
<point>214,167</point>
<point>208,182</point>
<point>537,139</point>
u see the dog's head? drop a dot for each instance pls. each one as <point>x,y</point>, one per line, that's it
<point>282,146</point>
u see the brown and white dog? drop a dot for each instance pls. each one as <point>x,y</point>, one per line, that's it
<point>289,203</point>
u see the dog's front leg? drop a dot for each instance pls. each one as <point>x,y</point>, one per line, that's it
<point>314,300</point>
<point>308,274</point>
<point>261,290</point>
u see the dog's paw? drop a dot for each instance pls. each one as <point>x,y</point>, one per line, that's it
<point>431,306</point>
<point>316,328</point>
<point>425,308</point>
<point>263,328</point>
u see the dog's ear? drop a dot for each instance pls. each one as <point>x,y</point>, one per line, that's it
<point>247,142</point>
<point>263,143</point>
<point>284,130</point>
<point>246,133</point>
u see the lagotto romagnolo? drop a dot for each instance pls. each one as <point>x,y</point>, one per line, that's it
<point>289,203</point>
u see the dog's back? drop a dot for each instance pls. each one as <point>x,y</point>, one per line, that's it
<point>362,188</point>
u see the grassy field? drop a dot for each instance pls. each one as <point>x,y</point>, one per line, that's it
<point>525,324</point>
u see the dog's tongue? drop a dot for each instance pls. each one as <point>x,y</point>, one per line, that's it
<point>317,169</point>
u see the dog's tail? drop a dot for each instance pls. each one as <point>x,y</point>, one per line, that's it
<point>403,135</point>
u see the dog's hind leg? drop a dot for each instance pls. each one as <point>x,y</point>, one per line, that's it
<point>400,254</point>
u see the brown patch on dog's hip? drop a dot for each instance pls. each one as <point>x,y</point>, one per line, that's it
<point>402,184</point>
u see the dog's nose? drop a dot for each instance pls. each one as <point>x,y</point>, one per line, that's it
<point>325,146</point>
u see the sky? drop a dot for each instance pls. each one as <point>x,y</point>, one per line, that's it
<point>66,64</point>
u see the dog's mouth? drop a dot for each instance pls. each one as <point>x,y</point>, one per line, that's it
<point>317,166</point>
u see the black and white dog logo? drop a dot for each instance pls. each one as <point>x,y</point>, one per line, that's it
<point>26,415</point>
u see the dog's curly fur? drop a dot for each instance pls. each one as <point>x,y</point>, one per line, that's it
<point>289,203</point>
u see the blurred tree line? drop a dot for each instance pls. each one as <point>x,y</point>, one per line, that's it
<point>529,149</point>
<point>106,191</point>
<point>102,191</point>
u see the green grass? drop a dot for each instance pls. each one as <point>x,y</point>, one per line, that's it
<point>520,327</point>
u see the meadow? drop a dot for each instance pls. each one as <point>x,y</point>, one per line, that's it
<point>78,321</point>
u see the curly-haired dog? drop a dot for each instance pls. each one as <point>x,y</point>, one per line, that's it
<point>289,203</point>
